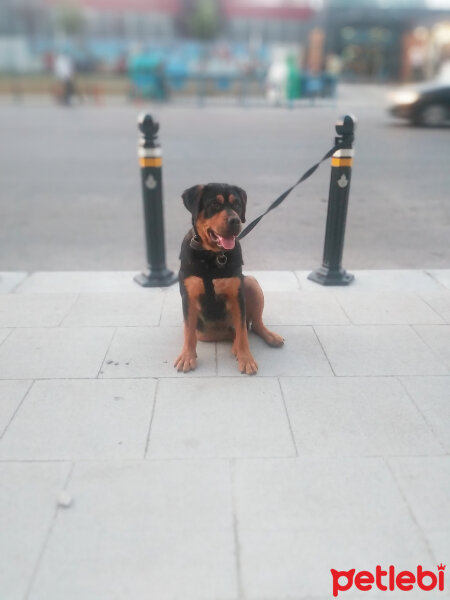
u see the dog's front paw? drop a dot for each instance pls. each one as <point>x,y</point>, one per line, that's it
<point>187,361</point>
<point>247,364</point>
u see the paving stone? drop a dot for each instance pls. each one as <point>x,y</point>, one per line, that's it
<point>76,282</point>
<point>355,416</point>
<point>439,302</point>
<point>317,493</point>
<point>163,527</point>
<point>105,563</point>
<point>10,280</point>
<point>425,482</point>
<point>161,494</point>
<point>51,353</point>
<point>81,419</point>
<point>431,396</point>
<point>301,355</point>
<point>28,494</point>
<point>300,308</point>
<point>115,309</point>
<point>298,518</point>
<point>439,541</point>
<point>151,352</point>
<point>199,418</point>
<point>291,564</point>
<point>172,310</point>
<point>403,280</point>
<point>4,333</point>
<point>442,276</point>
<point>34,310</point>
<point>275,281</point>
<point>11,395</point>
<point>437,337</point>
<point>143,530</point>
<point>378,350</point>
<point>387,308</point>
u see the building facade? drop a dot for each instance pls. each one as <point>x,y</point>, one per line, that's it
<point>380,40</point>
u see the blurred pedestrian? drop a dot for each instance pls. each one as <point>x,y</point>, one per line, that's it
<point>443,73</point>
<point>417,58</point>
<point>333,68</point>
<point>64,73</point>
<point>277,77</point>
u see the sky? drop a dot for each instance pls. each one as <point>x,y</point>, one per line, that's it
<point>438,3</point>
<point>433,4</point>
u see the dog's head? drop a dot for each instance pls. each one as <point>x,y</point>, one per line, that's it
<point>218,211</point>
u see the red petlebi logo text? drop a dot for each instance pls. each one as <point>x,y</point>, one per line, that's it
<point>388,579</point>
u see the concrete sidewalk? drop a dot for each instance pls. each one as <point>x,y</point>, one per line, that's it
<point>121,479</point>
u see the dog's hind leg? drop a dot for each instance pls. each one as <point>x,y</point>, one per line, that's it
<point>254,305</point>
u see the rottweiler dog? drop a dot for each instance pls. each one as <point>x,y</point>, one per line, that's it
<point>219,302</point>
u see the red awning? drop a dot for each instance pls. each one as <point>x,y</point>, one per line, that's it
<point>277,9</point>
<point>161,6</point>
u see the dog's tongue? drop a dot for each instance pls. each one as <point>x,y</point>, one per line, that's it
<point>227,243</point>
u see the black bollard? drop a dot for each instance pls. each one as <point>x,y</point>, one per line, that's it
<point>150,161</point>
<point>331,271</point>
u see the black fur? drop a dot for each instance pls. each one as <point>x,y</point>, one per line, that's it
<point>203,197</point>
<point>202,263</point>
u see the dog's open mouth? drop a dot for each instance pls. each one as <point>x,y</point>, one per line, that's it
<point>224,242</point>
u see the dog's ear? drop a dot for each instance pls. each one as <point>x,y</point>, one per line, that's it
<point>243,198</point>
<point>191,200</point>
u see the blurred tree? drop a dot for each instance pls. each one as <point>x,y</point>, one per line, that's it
<point>203,19</point>
<point>70,19</point>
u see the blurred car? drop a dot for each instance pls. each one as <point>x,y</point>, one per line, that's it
<point>425,104</point>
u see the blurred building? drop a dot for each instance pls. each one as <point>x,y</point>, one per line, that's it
<point>382,40</point>
<point>269,20</point>
<point>123,19</point>
<point>288,21</point>
<point>376,40</point>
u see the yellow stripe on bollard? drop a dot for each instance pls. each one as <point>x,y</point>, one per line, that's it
<point>341,162</point>
<point>150,162</point>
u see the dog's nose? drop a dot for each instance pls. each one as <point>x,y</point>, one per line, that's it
<point>234,221</point>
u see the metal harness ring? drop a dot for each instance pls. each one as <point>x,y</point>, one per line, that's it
<point>221,260</point>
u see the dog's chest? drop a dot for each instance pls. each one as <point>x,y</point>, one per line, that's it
<point>213,307</point>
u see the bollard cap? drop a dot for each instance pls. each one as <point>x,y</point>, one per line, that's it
<point>346,125</point>
<point>149,129</point>
<point>345,129</point>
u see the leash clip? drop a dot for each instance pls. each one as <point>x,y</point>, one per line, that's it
<point>221,260</point>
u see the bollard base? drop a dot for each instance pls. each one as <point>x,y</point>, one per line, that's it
<point>162,278</point>
<point>326,276</point>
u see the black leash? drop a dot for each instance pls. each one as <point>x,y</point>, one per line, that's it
<point>285,194</point>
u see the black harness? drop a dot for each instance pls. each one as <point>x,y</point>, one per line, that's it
<point>220,259</point>
<point>208,265</point>
<point>198,262</point>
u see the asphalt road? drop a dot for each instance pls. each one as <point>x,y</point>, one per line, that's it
<point>71,199</point>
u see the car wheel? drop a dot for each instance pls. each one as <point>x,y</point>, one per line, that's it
<point>433,115</point>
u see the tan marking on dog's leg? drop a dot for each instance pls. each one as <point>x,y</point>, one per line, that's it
<point>254,302</point>
<point>187,360</point>
<point>230,288</point>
